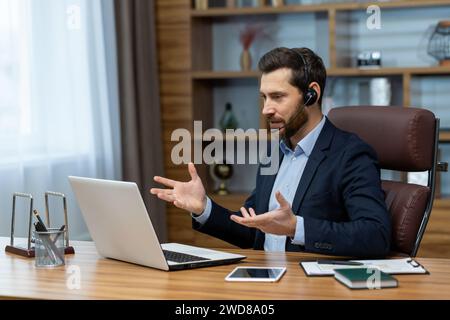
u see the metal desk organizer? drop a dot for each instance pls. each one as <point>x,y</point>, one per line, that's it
<point>29,250</point>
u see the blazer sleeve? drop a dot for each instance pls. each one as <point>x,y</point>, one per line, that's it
<point>220,225</point>
<point>367,232</point>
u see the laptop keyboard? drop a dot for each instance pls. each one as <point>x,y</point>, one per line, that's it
<point>181,257</point>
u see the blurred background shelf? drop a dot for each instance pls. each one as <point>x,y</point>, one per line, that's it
<point>308,8</point>
<point>334,72</point>
<point>213,75</point>
<point>233,201</point>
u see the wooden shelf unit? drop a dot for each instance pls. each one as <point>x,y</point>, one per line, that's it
<point>303,8</point>
<point>444,136</point>
<point>332,72</point>
<point>232,201</point>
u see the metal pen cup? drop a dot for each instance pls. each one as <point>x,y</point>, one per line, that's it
<point>49,248</point>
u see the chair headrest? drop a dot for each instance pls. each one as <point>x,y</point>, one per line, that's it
<point>403,138</point>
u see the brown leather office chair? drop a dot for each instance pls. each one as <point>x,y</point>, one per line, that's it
<point>405,139</point>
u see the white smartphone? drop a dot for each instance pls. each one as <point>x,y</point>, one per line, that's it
<point>258,274</point>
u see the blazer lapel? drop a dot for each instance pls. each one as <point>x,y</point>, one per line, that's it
<point>315,158</point>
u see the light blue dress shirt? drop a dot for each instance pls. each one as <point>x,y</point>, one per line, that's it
<point>287,181</point>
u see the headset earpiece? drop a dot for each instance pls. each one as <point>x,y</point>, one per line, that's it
<point>310,97</point>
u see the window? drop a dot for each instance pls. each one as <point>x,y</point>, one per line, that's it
<point>58,103</point>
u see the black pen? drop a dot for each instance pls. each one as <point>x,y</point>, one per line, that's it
<point>36,214</point>
<point>59,234</point>
<point>340,262</point>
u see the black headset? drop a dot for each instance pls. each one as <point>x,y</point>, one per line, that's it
<point>310,95</point>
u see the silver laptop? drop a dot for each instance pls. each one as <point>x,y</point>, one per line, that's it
<point>121,228</point>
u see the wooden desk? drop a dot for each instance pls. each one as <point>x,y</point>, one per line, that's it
<point>109,279</point>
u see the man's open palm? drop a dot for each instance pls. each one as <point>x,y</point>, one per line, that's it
<point>190,196</point>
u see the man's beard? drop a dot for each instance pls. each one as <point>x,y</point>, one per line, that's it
<point>293,124</point>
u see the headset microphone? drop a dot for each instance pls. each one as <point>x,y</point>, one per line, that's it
<point>290,128</point>
<point>298,112</point>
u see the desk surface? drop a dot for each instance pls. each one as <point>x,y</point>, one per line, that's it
<point>109,279</point>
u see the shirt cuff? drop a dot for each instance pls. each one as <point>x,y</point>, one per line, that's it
<point>203,217</point>
<point>299,237</point>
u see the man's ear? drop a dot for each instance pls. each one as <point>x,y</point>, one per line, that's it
<point>315,86</point>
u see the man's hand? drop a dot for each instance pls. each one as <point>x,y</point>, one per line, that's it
<point>280,221</point>
<point>190,196</point>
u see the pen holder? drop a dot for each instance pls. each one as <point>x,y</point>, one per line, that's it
<point>29,251</point>
<point>49,248</point>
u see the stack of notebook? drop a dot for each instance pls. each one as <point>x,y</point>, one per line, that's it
<point>365,278</point>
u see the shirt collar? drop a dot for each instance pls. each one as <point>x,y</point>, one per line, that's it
<point>305,145</point>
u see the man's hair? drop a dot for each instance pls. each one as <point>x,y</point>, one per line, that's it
<point>290,58</point>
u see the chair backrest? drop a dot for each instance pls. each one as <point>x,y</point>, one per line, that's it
<point>405,139</point>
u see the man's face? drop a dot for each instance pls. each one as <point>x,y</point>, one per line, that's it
<point>282,102</point>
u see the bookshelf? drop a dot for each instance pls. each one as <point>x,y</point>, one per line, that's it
<point>302,8</point>
<point>334,72</point>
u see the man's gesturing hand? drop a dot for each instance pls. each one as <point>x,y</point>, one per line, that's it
<point>190,196</point>
<point>280,221</point>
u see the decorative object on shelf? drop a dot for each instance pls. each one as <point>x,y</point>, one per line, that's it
<point>228,120</point>
<point>201,4</point>
<point>247,36</point>
<point>277,3</point>
<point>249,3</point>
<point>246,60</point>
<point>221,172</point>
<point>369,60</point>
<point>231,3</point>
<point>439,43</point>
<point>380,92</point>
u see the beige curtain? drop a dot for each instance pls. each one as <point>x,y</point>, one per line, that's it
<point>139,101</point>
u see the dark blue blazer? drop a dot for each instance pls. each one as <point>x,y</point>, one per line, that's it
<point>339,197</point>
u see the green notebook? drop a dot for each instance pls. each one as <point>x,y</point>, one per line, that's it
<point>365,278</point>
